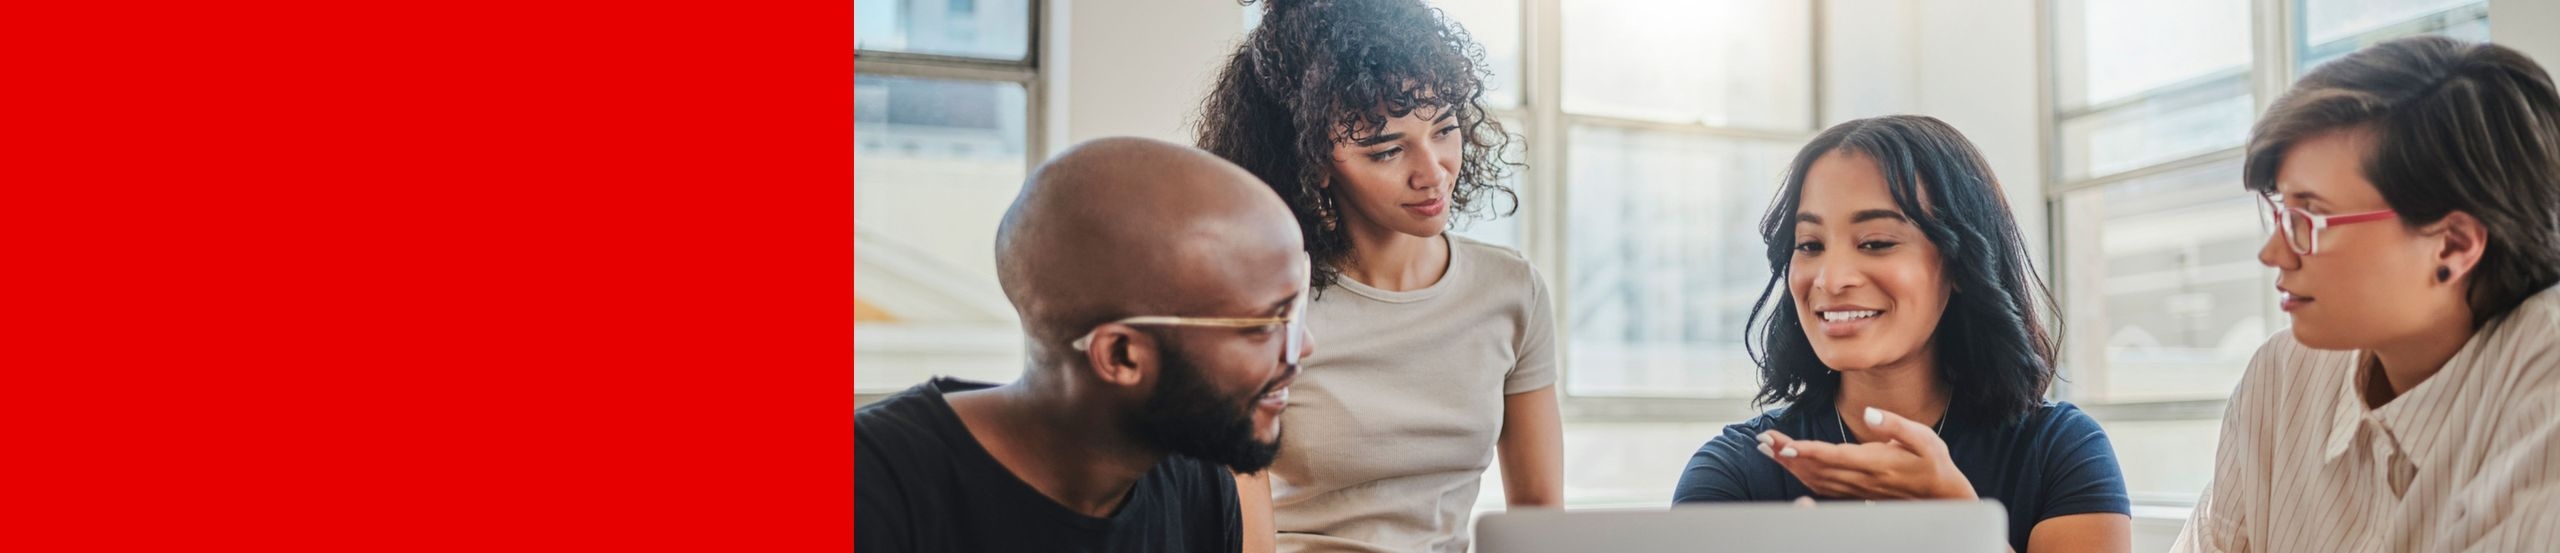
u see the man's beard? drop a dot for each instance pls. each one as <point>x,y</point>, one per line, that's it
<point>1188,417</point>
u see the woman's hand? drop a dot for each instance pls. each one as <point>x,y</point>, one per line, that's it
<point>1911,464</point>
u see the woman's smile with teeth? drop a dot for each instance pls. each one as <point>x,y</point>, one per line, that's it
<point>1837,316</point>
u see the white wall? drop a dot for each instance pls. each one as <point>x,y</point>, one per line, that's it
<point>1972,64</point>
<point>1131,67</point>
<point>1870,60</point>
<point>2527,26</point>
<point>1978,71</point>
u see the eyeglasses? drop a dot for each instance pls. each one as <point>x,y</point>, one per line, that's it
<point>2302,228</point>
<point>1294,323</point>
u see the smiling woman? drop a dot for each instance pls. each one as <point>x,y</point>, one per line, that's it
<point>1904,337</point>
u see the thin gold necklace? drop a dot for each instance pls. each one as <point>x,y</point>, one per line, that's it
<point>1938,429</point>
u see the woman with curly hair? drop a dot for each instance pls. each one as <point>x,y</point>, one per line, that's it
<point>1367,116</point>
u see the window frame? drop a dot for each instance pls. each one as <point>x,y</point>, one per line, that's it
<point>1545,126</point>
<point>1026,71</point>
<point>2269,47</point>
<point>2278,39</point>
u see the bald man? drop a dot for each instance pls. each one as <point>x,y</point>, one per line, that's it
<point>1160,289</point>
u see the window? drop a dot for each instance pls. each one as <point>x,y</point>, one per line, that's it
<point>980,29</point>
<point>2332,28</point>
<point>943,116</point>
<point>1660,291</point>
<point>2142,86</point>
<point>2165,278</point>
<point>2142,83</point>
<point>2163,298</point>
<point>1720,63</point>
<point>1655,131</point>
<point>1680,117</point>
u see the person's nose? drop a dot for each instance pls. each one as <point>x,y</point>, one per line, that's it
<point>1438,166</point>
<point>2277,254</point>
<point>1835,275</point>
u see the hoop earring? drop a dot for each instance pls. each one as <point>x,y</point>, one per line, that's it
<point>1325,211</point>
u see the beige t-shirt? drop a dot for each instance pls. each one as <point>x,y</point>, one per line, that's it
<point>1392,424</point>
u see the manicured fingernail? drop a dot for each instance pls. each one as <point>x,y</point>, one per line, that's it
<point>1874,417</point>
<point>1764,438</point>
<point>1789,453</point>
<point>1764,450</point>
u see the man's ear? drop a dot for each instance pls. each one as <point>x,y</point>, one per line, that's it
<point>2465,241</point>
<point>1120,355</point>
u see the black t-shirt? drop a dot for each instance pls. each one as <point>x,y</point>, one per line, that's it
<point>922,483</point>
<point>2055,462</point>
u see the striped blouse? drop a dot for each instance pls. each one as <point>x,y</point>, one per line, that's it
<point>2469,460</point>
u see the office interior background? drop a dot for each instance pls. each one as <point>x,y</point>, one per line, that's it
<point>1655,132</point>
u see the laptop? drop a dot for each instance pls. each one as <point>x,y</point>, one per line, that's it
<point>1836,527</point>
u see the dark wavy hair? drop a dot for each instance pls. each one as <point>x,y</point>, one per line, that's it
<point>2457,126</point>
<point>1992,349</point>
<point>1319,71</point>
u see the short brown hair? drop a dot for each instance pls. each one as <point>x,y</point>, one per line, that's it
<point>2457,126</point>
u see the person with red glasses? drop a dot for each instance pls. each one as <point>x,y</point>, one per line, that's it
<point>2412,191</point>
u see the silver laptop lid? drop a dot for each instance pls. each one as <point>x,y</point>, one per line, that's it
<point>1841,527</point>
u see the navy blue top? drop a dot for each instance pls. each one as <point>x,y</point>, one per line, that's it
<point>2054,462</point>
